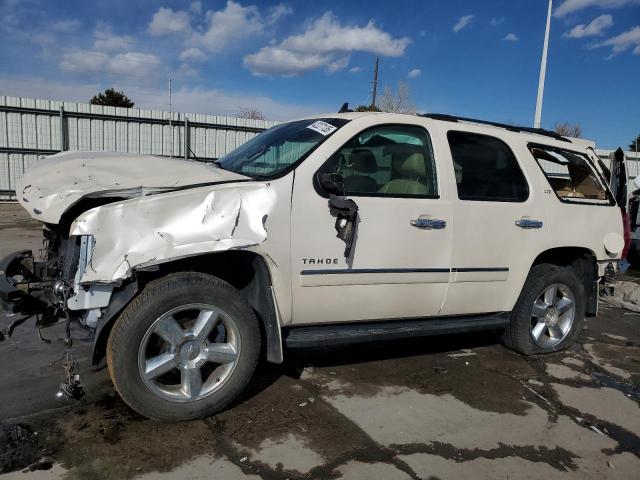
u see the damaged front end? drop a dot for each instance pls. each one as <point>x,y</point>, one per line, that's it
<point>46,287</point>
<point>89,267</point>
<point>50,284</point>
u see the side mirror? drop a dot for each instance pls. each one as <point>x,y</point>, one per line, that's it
<point>332,183</point>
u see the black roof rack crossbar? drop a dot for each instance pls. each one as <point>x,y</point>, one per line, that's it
<point>512,128</point>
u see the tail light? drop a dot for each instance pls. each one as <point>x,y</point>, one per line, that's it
<point>626,224</point>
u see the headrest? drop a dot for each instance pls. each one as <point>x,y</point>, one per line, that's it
<point>414,167</point>
<point>363,161</point>
<point>400,152</point>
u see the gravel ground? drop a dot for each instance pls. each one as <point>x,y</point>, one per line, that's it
<point>441,407</point>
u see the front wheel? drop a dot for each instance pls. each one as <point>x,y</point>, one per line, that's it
<point>184,348</point>
<point>549,314</point>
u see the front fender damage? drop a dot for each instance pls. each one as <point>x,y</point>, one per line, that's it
<point>146,231</point>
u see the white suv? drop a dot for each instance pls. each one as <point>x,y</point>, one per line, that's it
<point>337,229</point>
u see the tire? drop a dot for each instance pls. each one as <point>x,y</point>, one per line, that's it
<point>556,331</point>
<point>184,348</point>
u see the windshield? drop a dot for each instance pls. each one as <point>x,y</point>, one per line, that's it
<point>275,150</point>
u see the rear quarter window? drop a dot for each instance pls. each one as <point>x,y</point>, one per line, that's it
<point>571,175</point>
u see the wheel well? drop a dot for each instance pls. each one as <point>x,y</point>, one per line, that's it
<point>246,271</point>
<point>584,263</point>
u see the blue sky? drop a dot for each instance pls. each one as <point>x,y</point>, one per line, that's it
<point>288,58</point>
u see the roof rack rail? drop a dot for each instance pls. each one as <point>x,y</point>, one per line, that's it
<point>512,128</point>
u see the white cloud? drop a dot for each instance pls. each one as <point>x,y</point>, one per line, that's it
<point>462,22</point>
<point>323,45</point>
<point>571,6</point>
<point>47,41</point>
<point>46,88</point>
<point>234,22</point>
<point>511,37</point>
<point>215,30</point>
<point>228,103</point>
<point>355,69</point>
<point>191,100</point>
<point>596,27</point>
<point>83,61</point>
<point>106,40</point>
<point>338,64</point>
<point>221,27</point>
<point>280,61</point>
<point>279,11</point>
<point>326,34</point>
<point>623,42</point>
<point>185,71</point>
<point>133,63</point>
<point>415,73</point>
<point>192,55</point>
<point>495,21</point>
<point>124,64</point>
<point>66,26</point>
<point>167,22</point>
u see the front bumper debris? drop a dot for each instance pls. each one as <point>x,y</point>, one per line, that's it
<point>18,282</point>
<point>609,277</point>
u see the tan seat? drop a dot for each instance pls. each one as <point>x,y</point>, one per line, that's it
<point>413,178</point>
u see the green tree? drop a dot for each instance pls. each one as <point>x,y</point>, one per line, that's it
<point>634,146</point>
<point>112,98</point>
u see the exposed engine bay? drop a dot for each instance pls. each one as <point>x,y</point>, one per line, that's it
<point>40,286</point>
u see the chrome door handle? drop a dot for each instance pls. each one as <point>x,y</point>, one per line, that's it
<point>429,223</point>
<point>528,223</point>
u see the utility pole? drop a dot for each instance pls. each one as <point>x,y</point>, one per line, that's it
<point>543,70</point>
<point>374,91</point>
<point>170,124</point>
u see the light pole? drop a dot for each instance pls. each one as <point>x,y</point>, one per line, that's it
<point>543,70</point>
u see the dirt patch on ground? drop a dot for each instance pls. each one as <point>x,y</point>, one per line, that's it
<point>107,441</point>
<point>12,215</point>
<point>21,447</point>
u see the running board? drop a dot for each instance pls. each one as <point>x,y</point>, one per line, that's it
<point>348,333</point>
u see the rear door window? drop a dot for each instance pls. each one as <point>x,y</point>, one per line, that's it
<point>571,175</point>
<point>486,169</point>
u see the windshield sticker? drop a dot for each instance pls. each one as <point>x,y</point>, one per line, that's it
<point>322,128</point>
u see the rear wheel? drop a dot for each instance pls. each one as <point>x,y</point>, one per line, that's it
<point>549,313</point>
<point>184,348</point>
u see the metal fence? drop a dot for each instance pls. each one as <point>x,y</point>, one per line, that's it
<point>32,128</point>
<point>633,161</point>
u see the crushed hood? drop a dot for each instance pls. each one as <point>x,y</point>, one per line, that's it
<point>55,183</point>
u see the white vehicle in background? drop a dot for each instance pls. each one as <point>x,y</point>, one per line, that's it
<point>634,223</point>
<point>344,228</point>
